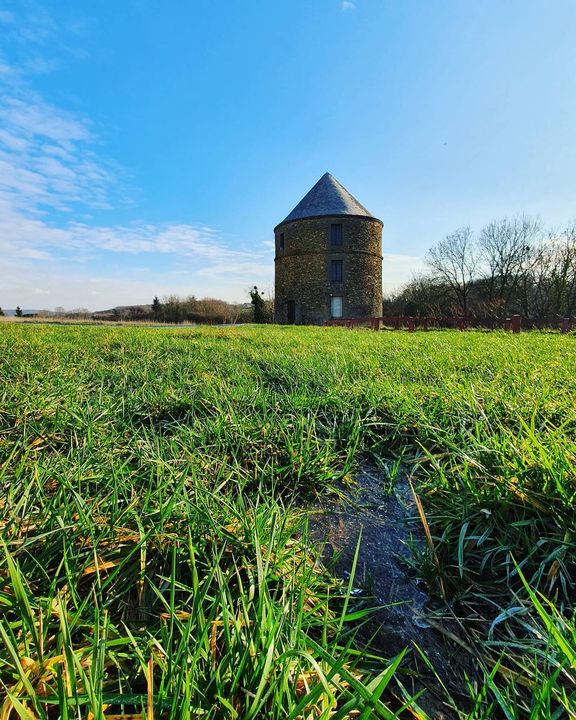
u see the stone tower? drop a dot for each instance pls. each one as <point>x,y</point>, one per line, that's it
<point>328,260</point>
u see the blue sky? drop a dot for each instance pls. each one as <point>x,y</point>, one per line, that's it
<point>150,147</point>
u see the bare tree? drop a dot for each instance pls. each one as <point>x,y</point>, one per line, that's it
<point>513,267</point>
<point>453,262</point>
<point>508,250</point>
<point>562,279</point>
<point>420,296</point>
<point>535,291</point>
<point>173,310</point>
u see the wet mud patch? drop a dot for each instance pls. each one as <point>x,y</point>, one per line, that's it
<point>383,524</point>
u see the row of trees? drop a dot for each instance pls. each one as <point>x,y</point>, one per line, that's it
<point>174,309</point>
<point>510,266</point>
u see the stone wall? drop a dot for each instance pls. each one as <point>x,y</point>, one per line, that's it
<point>302,268</point>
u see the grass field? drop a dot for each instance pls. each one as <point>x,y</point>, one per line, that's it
<point>154,559</point>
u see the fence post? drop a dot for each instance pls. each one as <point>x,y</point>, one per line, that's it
<point>516,323</point>
<point>565,325</point>
<point>411,324</point>
<point>425,323</point>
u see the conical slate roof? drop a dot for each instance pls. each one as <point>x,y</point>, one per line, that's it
<point>327,197</point>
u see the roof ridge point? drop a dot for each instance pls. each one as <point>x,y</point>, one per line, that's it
<point>328,197</point>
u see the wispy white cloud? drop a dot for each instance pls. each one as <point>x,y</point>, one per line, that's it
<point>241,267</point>
<point>47,159</point>
<point>36,238</point>
<point>32,28</point>
<point>89,286</point>
<point>53,178</point>
<point>347,5</point>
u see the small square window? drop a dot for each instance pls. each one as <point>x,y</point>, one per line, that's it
<point>281,241</point>
<point>336,234</point>
<point>336,306</point>
<point>336,270</point>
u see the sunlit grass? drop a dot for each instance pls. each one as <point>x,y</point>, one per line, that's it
<point>154,559</point>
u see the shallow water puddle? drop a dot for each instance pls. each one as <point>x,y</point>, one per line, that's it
<point>389,526</point>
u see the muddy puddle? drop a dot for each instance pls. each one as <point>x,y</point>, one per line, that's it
<point>388,526</point>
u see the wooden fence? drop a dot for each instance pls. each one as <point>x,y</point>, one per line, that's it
<point>513,323</point>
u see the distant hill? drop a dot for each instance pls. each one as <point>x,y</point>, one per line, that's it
<point>205,310</point>
<point>123,311</point>
<point>11,312</point>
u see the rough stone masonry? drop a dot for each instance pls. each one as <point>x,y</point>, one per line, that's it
<point>328,260</point>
